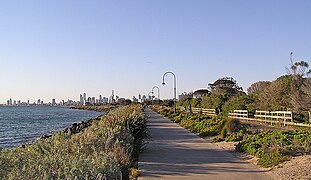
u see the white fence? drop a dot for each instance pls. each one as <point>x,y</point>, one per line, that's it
<point>209,112</point>
<point>274,117</point>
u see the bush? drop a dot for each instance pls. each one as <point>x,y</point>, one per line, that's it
<point>217,139</point>
<point>271,159</point>
<point>275,145</point>
<point>235,137</point>
<point>105,150</point>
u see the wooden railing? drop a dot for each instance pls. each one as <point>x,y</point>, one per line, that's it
<point>209,112</point>
<point>274,117</point>
<point>281,118</point>
<point>239,113</point>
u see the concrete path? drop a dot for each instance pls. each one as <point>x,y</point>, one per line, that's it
<point>175,153</point>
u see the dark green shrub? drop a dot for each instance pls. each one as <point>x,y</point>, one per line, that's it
<point>217,139</point>
<point>235,137</point>
<point>271,159</point>
<point>223,133</point>
<point>232,125</point>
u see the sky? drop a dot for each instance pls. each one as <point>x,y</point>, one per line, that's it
<point>60,49</point>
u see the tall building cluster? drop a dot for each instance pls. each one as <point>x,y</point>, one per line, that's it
<point>92,100</point>
<point>39,102</point>
<point>83,100</point>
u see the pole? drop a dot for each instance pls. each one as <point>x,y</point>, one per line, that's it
<point>158,92</point>
<point>174,87</point>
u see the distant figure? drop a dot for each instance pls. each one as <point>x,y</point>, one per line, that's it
<point>189,108</point>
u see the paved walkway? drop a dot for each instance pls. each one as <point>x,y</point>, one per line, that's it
<point>175,153</point>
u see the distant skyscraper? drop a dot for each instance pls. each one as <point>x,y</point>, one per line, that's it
<point>84,97</point>
<point>111,99</point>
<point>53,102</point>
<point>39,101</point>
<point>81,99</point>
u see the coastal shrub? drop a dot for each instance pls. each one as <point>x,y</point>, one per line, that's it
<point>234,137</point>
<point>271,159</point>
<point>197,123</point>
<point>275,146</point>
<point>105,150</point>
<point>232,125</point>
<point>217,139</point>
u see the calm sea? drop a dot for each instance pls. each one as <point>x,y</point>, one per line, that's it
<point>20,125</point>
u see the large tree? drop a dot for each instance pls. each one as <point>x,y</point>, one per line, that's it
<point>300,85</point>
<point>257,86</point>
<point>201,92</point>
<point>227,85</point>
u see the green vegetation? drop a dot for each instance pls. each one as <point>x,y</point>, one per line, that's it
<point>291,92</point>
<point>201,124</point>
<point>271,147</point>
<point>105,150</point>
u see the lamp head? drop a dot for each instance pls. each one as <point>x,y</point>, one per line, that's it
<point>163,83</point>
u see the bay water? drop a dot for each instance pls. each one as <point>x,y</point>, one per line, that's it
<point>23,124</point>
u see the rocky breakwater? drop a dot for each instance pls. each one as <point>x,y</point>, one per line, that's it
<point>75,127</point>
<point>78,127</point>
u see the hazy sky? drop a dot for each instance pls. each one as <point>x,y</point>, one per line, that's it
<point>59,49</point>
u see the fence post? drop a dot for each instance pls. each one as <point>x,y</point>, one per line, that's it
<point>309,117</point>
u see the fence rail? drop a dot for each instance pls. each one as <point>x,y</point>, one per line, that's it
<point>274,117</point>
<point>209,112</point>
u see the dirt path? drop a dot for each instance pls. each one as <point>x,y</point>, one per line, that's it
<point>175,153</point>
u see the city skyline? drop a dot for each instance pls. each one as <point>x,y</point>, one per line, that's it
<point>59,49</point>
<point>83,99</point>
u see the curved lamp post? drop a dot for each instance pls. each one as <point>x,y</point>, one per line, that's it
<point>158,91</point>
<point>163,83</point>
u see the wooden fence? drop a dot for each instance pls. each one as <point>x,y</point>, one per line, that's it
<point>281,118</point>
<point>209,112</point>
<point>239,113</point>
<point>274,117</point>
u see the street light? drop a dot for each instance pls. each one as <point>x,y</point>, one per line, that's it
<point>163,83</point>
<point>158,91</point>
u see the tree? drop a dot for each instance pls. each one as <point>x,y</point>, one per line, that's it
<point>226,85</point>
<point>299,97</point>
<point>257,86</point>
<point>240,102</point>
<point>214,101</point>
<point>201,92</point>
<point>275,96</point>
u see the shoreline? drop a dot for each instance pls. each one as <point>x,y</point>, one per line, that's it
<point>73,128</point>
<point>78,127</point>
